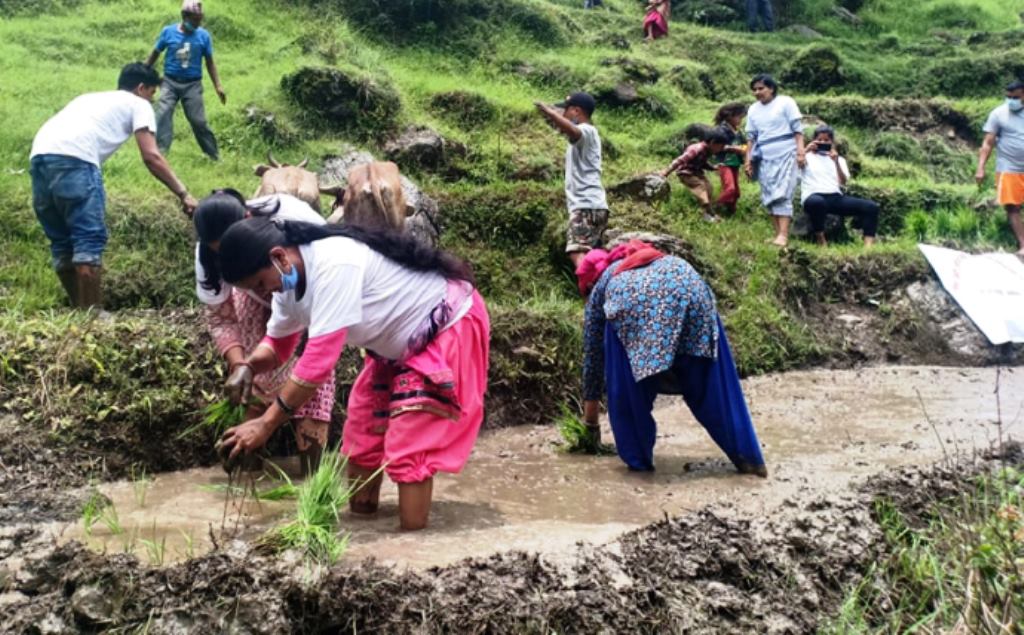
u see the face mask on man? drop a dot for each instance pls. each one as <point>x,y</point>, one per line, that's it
<point>1015,104</point>
<point>188,27</point>
<point>288,280</point>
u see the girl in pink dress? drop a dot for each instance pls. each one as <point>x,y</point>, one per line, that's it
<point>656,20</point>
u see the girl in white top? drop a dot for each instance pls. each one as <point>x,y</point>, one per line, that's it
<point>777,143</point>
<point>237,319</point>
<point>417,406</point>
<point>823,178</point>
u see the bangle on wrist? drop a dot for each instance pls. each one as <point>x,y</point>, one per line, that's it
<point>288,410</point>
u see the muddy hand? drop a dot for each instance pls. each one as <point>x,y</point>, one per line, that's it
<point>239,384</point>
<point>245,438</point>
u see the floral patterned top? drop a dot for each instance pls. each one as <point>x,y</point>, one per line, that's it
<point>659,311</point>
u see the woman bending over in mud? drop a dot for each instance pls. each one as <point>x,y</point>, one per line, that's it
<point>237,318</point>
<point>417,405</point>
<point>651,327</point>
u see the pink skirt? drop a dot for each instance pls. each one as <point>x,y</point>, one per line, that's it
<point>422,415</point>
<point>657,22</point>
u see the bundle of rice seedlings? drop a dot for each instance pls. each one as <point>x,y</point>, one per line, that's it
<point>577,437</point>
<point>218,417</point>
<point>314,530</point>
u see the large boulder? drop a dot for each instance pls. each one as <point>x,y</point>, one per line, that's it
<point>424,221</point>
<point>643,187</point>
<point>422,148</point>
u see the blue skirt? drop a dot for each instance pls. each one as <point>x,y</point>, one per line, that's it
<point>711,388</point>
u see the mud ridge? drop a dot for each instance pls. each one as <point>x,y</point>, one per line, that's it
<point>703,572</point>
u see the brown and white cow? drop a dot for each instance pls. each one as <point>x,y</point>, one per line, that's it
<point>289,179</point>
<point>373,198</point>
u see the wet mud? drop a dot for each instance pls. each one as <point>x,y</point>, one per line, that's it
<point>529,539</point>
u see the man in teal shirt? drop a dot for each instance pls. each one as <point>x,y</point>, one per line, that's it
<point>187,45</point>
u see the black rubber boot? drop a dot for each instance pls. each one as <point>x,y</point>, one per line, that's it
<point>69,280</point>
<point>89,287</point>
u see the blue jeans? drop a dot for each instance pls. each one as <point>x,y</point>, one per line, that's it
<point>762,9</point>
<point>69,201</point>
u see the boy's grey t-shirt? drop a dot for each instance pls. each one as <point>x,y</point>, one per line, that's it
<point>1008,127</point>
<point>583,189</point>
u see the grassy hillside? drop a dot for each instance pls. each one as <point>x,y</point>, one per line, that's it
<point>907,88</point>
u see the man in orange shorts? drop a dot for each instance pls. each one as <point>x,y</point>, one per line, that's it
<point>1005,130</point>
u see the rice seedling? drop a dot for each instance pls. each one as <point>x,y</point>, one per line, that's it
<point>99,508</point>
<point>218,417</point>
<point>577,436</point>
<point>918,224</point>
<point>156,551</point>
<point>140,485</point>
<point>943,224</point>
<point>190,544</point>
<point>966,224</point>
<point>314,530</point>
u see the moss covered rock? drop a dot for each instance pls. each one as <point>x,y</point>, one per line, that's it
<point>817,68</point>
<point>345,100</point>
<point>465,109</point>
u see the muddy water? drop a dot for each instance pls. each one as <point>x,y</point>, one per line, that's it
<point>821,430</point>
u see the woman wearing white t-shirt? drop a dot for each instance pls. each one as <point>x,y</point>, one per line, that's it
<point>237,318</point>
<point>777,147</point>
<point>821,189</point>
<point>417,405</point>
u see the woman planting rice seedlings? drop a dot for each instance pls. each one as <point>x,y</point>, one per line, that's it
<point>417,406</point>
<point>651,327</point>
<point>237,318</point>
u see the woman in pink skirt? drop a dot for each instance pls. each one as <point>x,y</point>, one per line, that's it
<point>237,319</point>
<point>417,406</point>
<point>656,19</point>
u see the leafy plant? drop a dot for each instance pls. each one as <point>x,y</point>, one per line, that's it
<point>919,224</point>
<point>155,550</point>
<point>140,484</point>
<point>99,508</point>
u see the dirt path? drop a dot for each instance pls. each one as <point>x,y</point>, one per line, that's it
<point>821,431</point>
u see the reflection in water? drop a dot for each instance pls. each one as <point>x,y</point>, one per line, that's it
<point>820,430</point>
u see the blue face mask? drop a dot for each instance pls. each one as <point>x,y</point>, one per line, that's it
<point>288,280</point>
<point>188,27</point>
<point>1014,104</point>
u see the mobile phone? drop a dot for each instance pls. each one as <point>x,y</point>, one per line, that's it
<point>824,148</point>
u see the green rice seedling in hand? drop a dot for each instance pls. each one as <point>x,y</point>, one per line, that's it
<point>577,436</point>
<point>218,417</point>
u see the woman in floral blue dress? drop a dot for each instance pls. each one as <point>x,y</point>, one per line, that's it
<point>651,327</point>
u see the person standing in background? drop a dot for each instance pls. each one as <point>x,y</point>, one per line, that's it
<point>1004,130</point>
<point>584,194</point>
<point>187,44</point>
<point>760,9</point>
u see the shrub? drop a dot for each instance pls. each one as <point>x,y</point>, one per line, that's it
<point>895,145</point>
<point>344,100</point>
<point>817,68</point>
<point>464,109</point>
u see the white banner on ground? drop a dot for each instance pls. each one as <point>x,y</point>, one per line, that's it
<point>988,287</point>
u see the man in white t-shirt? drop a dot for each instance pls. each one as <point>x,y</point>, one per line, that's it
<point>67,185</point>
<point>584,193</point>
<point>1004,131</point>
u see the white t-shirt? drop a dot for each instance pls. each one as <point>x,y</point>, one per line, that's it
<point>348,285</point>
<point>770,124</point>
<point>583,189</point>
<point>1008,127</point>
<point>288,208</point>
<point>93,126</point>
<point>819,175</point>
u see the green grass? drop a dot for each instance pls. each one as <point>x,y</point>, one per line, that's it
<point>957,568</point>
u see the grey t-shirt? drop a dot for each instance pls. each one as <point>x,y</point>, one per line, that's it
<point>583,189</point>
<point>1008,127</point>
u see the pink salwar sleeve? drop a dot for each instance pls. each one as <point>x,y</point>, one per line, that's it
<point>283,346</point>
<point>222,323</point>
<point>319,358</point>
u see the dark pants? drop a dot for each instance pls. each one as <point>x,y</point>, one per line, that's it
<point>711,388</point>
<point>818,206</point>
<point>762,9</point>
<point>191,96</point>
<point>69,201</point>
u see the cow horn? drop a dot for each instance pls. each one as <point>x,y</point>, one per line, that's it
<point>334,190</point>
<point>303,163</point>
<point>270,158</point>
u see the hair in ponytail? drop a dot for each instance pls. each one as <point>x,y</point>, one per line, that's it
<point>245,247</point>
<point>214,215</point>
